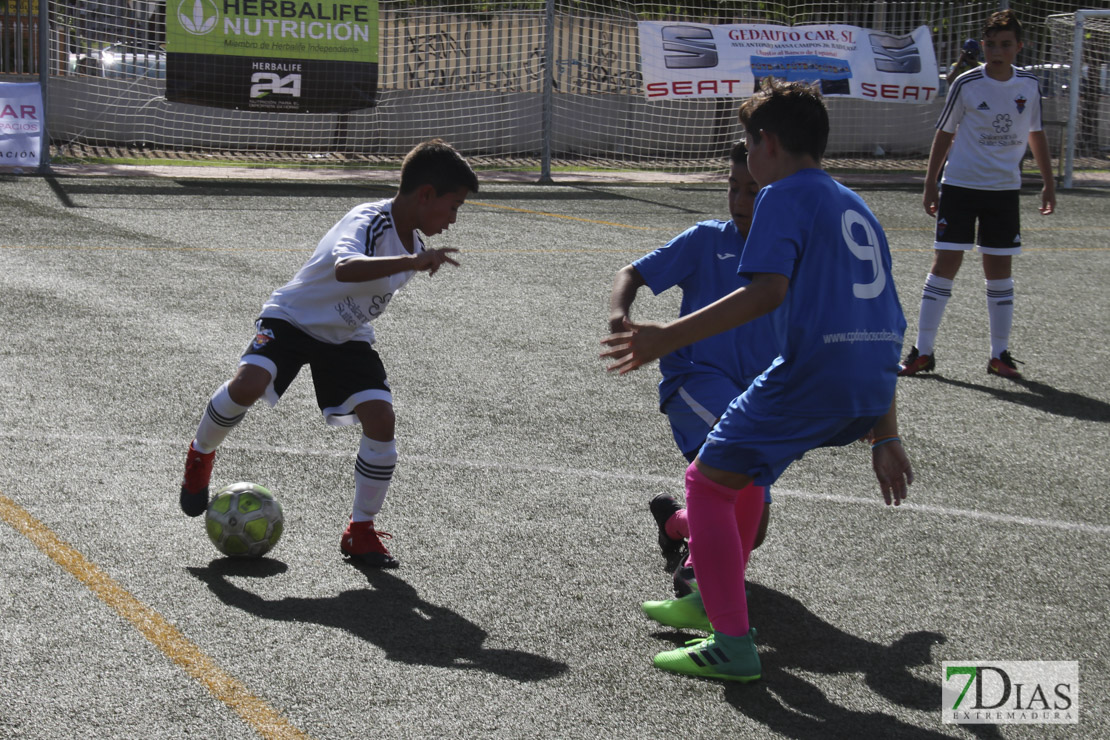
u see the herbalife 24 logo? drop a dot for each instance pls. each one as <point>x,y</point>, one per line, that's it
<point>267,83</point>
<point>1029,692</point>
<point>198,17</point>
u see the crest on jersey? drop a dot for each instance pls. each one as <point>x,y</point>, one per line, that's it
<point>1020,103</point>
<point>262,338</point>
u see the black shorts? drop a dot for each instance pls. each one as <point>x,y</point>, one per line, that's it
<point>344,375</point>
<point>996,211</point>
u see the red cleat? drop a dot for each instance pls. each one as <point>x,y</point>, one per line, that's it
<point>916,363</point>
<point>194,487</point>
<point>1004,366</point>
<point>364,543</point>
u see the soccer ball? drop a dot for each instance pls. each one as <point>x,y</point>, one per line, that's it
<point>244,519</point>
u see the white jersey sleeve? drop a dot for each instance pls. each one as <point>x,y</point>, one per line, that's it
<point>337,312</point>
<point>992,121</point>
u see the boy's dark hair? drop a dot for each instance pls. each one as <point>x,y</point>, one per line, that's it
<point>1003,20</point>
<point>436,163</point>
<point>793,111</point>
<point>738,154</point>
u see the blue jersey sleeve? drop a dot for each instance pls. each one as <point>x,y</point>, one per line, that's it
<point>774,243</point>
<point>669,265</point>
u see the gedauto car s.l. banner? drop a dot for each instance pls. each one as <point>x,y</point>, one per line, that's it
<point>288,56</point>
<point>695,60</point>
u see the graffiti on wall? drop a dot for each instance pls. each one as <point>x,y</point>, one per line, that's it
<point>472,55</point>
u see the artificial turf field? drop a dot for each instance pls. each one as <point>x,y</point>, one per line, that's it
<point>519,505</point>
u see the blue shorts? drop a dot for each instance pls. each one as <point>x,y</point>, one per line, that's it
<point>763,446</point>
<point>694,410</point>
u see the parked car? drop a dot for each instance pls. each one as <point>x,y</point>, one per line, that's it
<point>118,61</point>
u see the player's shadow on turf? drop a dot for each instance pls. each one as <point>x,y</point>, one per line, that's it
<point>793,640</point>
<point>392,616</point>
<point>1042,397</point>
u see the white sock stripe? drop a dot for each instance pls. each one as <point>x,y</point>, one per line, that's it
<point>943,292</point>
<point>220,419</point>
<point>373,472</point>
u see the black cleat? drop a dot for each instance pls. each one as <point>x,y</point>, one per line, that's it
<point>663,507</point>
<point>917,363</point>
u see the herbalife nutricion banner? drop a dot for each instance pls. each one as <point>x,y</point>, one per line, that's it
<point>21,126</point>
<point>298,56</point>
<point>682,60</point>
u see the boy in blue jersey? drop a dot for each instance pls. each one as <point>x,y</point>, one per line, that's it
<point>816,250</point>
<point>699,381</point>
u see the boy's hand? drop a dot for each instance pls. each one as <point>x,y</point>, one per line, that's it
<point>430,260</point>
<point>638,345</point>
<point>892,468</point>
<point>931,199</point>
<point>1048,200</point>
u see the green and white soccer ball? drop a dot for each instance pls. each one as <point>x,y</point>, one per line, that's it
<point>244,519</point>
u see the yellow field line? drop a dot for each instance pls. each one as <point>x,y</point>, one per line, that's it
<point>257,713</point>
<point>559,215</point>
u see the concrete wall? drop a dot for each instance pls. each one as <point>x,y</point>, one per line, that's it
<point>623,127</point>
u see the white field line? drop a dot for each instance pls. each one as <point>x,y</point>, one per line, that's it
<point>876,500</point>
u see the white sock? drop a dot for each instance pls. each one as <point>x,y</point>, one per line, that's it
<point>934,299</point>
<point>373,473</point>
<point>220,417</point>
<point>1000,309</point>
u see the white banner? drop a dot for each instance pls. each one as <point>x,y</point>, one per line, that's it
<point>687,60</point>
<point>21,124</point>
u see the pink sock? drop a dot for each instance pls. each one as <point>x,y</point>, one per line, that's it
<point>716,540</point>
<point>676,527</point>
<point>746,524</point>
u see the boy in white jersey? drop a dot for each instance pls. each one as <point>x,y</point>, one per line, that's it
<point>322,318</point>
<point>700,381</point>
<point>815,249</point>
<point>990,114</point>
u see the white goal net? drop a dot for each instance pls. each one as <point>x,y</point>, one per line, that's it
<point>511,84</point>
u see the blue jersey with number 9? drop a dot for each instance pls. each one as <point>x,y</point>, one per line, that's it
<point>841,326</point>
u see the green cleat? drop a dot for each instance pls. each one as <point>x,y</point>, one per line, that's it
<point>717,656</point>
<point>685,613</point>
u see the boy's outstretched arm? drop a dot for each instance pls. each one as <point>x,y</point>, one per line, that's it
<point>361,269</point>
<point>625,286</point>
<point>643,343</point>
<point>1038,144</point>
<point>888,458</point>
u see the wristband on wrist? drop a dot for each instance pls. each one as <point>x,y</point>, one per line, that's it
<point>884,440</point>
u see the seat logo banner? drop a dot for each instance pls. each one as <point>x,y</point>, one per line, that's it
<point>685,60</point>
<point>21,124</point>
<point>294,56</point>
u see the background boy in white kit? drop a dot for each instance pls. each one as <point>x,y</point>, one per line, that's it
<point>322,318</point>
<point>990,114</point>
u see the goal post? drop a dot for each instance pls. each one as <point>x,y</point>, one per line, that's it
<point>1078,81</point>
